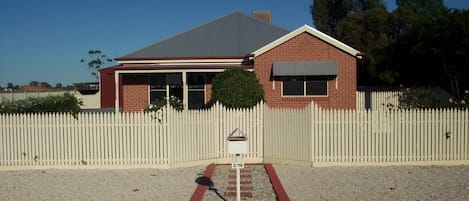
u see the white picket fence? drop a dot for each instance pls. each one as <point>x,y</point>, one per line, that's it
<point>311,136</point>
<point>315,136</point>
<point>378,99</point>
<point>167,139</point>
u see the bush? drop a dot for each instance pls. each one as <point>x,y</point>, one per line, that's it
<point>237,88</point>
<point>65,103</point>
<point>425,97</point>
<point>156,105</point>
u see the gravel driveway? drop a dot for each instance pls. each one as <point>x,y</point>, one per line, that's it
<point>375,183</point>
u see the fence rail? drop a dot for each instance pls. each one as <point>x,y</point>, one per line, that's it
<point>170,138</point>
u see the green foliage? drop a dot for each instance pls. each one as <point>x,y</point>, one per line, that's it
<point>438,45</point>
<point>96,61</point>
<point>156,105</point>
<point>425,97</point>
<point>328,13</point>
<point>420,43</point>
<point>237,88</point>
<point>426,7</point>
<point>369,31</point>
<point>66,103</point>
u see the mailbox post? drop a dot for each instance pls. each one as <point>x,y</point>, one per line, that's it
<point>237,145</point>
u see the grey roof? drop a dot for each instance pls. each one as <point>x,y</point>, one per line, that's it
<point>235,34</point>
<point>304,68</point>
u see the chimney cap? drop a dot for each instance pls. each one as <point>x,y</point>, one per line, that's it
<point>265,16</point>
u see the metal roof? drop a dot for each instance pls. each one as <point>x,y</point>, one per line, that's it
<point>235,34</point>
<point>304,68</point>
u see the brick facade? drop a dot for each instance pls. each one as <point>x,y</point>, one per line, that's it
<point>307,47</point>
<point>303,47</point>
<point>135,92</point>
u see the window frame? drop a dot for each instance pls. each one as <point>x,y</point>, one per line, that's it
<point>305,79</point>
<point>167,85</point>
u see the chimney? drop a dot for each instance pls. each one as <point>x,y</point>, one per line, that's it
<point>265,16</point>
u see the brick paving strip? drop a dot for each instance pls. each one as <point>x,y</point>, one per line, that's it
<point>245,183</point>
<point>205,183</point>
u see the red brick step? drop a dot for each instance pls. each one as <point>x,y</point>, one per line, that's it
<point>243,188</point>
<point>243,194</point>
<point>241,182</point>
<point>243,176</point>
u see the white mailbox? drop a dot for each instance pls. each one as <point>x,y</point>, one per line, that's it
<point>237,142</point>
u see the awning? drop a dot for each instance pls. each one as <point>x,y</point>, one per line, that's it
<point>305,68</point>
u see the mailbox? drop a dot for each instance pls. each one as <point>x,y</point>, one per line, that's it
<point>237,142</point>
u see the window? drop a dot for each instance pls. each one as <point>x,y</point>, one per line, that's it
<point>196,92</point>
<point>304,86</point>
<point>157,87</point>
<point>165,85</point>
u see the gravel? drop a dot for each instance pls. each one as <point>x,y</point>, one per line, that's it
<point>135,184</point>
<point>300,183</point>
<point>375,183</point>
<point>260,181</point>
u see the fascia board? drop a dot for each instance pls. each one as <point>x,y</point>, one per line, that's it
<point>312,31</point>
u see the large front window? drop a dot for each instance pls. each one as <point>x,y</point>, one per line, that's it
<point>304,86</point>
<point>165,85</point>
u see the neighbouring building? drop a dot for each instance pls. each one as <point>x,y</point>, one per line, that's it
<point>294,67</point>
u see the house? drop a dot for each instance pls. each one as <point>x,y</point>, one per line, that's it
<point>294,67</point>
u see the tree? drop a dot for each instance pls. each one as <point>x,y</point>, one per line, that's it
<point>422,7</point>
<point>370,32</point>
<point>59,85</point>
<point>34,83</point>
<point>420,43</point>
<point>237,88</point>
<point>96,61</point>
<point>328,13</point>
<point>45,84</point>
<point>433,40</point>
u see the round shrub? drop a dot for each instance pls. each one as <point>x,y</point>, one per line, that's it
<point>237,88</point>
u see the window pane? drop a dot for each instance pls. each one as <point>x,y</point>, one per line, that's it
<point>196,80</point>
<point>155,95</point>
<point>176,91</point>
<point>316,87</point>
<point>174,79</point>
<point>293,86</point>
<point>158,81</point>
<point>196,100</point>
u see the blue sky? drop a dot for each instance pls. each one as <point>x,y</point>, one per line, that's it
<point>45,40</point>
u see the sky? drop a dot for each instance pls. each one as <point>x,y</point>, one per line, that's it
<point>45,40</point>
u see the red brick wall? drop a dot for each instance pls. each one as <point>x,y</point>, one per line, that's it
<point>308,47</point>
<point>135,92</point>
